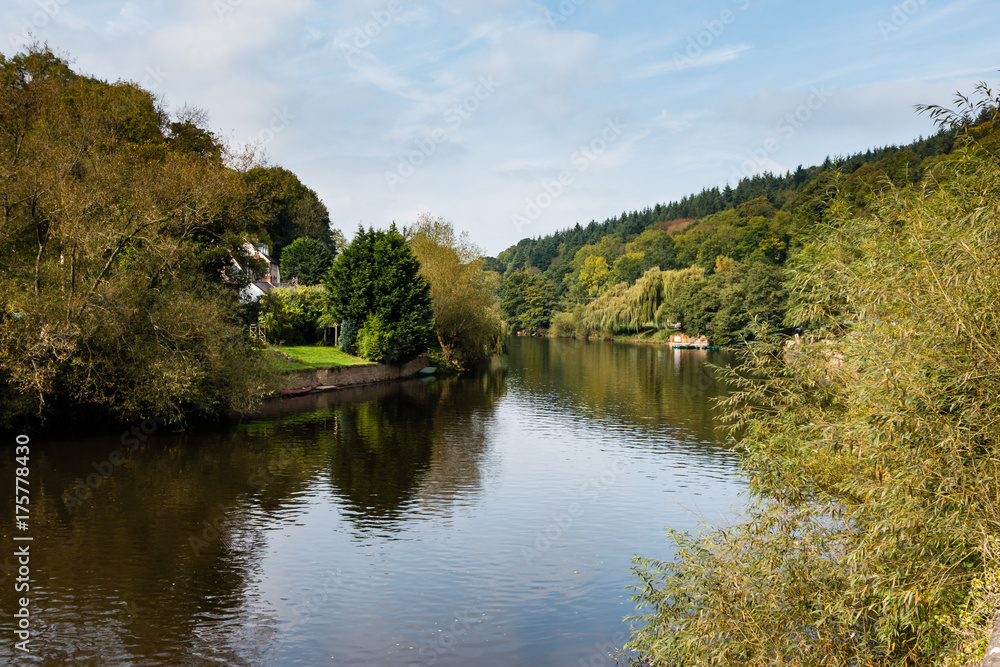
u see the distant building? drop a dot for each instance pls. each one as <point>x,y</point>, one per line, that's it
<point>260,284</point>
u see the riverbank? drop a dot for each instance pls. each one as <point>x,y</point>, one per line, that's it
<point>338,377</point>
<point>309,357</point>
<point>668,338</point>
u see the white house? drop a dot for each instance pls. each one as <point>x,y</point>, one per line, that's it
<point>260,284</point>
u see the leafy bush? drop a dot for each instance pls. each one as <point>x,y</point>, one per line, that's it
<point>563,326</point>
<point>374,339</point>
<point>348,334</point>
<point>293,316</point>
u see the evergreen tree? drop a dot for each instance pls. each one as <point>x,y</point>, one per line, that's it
<point>377,291</point>
<point>306,259</point>
<point>527,301</point>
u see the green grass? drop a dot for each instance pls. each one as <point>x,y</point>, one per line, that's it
<point>307,357</point>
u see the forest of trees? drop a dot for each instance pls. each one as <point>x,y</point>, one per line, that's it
<point>870,444</point>
<point>585,281</point>
<point>118,222</point>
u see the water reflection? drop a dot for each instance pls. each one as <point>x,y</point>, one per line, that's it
<point>628,383</point>
<point>361,522</point>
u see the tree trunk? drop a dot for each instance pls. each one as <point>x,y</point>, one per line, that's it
<point>992,658</point>
<point>447,348</point>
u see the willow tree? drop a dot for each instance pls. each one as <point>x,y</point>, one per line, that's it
<point>871,449</point>
<point>113,241</point>
<point>628,308</point>
<point>465,295</point>
<point>648,302</point>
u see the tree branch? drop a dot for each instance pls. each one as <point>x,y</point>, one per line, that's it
<point>107,266</point>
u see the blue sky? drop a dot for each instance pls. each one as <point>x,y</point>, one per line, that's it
<point>516,118</point>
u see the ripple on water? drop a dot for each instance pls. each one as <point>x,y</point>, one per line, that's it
<point>488,519</point>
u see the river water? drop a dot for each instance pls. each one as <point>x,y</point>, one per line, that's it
<point>489,519</point>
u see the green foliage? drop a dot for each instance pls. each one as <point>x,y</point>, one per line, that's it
<point>563,326</point>
<point>348,333</point>
<point>288,210</point>
<point>377,274</point>
<point>870,450</point>
<point>576,323</point>
<point>294,316</point>
<point>466,304</point>
<point>652,300</point>
<point>627,268</point>
<point>725,305</point>
<point>114,236</point>
<point>656,248</point>
<point>374,339</point>
<point>527,301</point>
<point>187,134</point>
<point>593,274</point>
<point>306,259</point>
<point>765,219</point>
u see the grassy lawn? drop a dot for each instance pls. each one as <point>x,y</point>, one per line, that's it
<point>306,357</point>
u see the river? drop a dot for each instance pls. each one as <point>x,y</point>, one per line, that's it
<point>488,519</point>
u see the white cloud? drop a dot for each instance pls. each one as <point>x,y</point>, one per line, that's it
<point>682,62</point>
<point>558,85</point>
<point>130,21</point>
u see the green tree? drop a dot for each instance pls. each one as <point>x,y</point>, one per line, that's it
<point>527,301</point>
<point>289,210</point>
<point>466,303</point>
<point>627,268</point>
<point>306,259</point>
<point>377,274</point>
<point>870,448</point>
<point>656,247</point>
<point>593,274</point>
<point>295,316</point>
<point>112,245</point>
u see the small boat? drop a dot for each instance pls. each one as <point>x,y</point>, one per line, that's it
<point>430,370</point>
<point>296,392</point>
